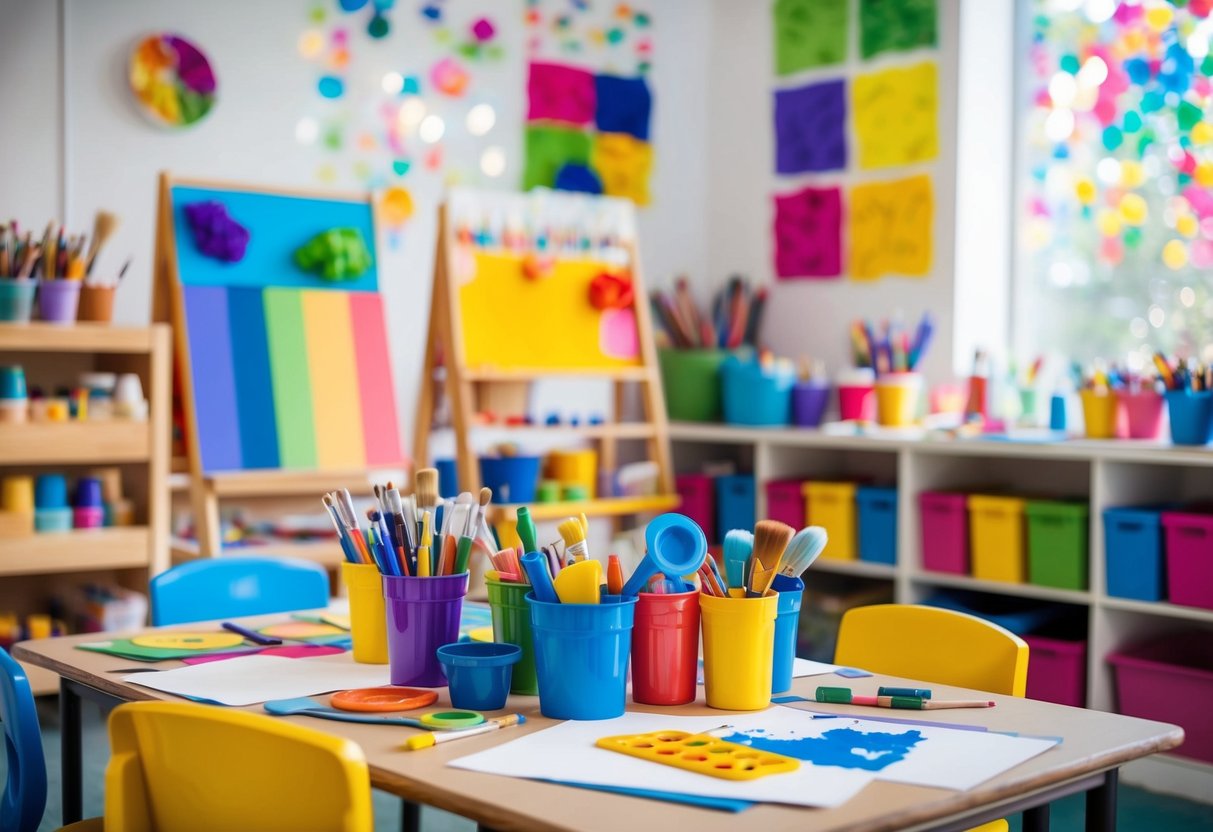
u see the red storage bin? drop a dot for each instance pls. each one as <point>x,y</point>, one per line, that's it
<point>785,502</point>
<point>1057,670</point>
<point>698,500</point>
<point>1189,558</point>
<point>1170,680</point>
<point>944,520</point>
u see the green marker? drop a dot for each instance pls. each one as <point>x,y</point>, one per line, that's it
<point>526,530</point>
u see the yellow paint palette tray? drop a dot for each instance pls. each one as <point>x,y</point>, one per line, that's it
<point>701,753</point>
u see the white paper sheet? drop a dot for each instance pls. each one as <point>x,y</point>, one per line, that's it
<point>251,679</point>
<point>805,667</point>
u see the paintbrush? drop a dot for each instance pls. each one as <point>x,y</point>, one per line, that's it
<point>771,539</point>
<point>575,547</point>
<point>464,552</point>
<point>738,547</point>
<point>347,546</point>
<point>104,226</point>
<point>423,550</point>
<point>803,550</point>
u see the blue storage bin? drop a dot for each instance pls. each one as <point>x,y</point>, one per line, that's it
<point>756,396</point>
<point>1133,552</point>
<point>448,477</point>
<point>512,478</point>
<point>734,503</point>
<point>877,523</point>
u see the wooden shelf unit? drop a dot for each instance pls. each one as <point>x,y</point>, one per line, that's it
<point>39,566</point>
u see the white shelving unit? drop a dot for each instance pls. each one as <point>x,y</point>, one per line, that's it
<point>1107,474</point>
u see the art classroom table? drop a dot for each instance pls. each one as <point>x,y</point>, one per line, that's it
<point>1094,745</point>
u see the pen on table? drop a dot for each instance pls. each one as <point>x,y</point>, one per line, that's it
<point>435,737</point>
<point>251,635</point>
<point>843,696</point>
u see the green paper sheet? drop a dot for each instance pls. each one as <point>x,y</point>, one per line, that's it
<point>895,25</point>
<point>127,649</point>
<point>548,149</point>
<point>809,33</point>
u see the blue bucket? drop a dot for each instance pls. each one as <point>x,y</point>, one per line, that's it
<point>754,396</point>
<point>512,478</point>
<point>1191,416</point>
<point>581,657</point>
<point>479,673</point>
<point>787,623</point>
<point>448,477</point>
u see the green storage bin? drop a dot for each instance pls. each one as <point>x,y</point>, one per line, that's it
<point>691,381</point>
<point>1057,543</point>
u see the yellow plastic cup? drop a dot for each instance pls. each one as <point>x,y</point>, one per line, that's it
<point>897,399</point>
<point>17,494</point>
<point>575,468</point>
<point>368,622</point>
<point>738,646</point>
<point>1099,414</point>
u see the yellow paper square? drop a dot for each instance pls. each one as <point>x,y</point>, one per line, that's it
<point>890,228</point>
<point>623,163</point>
<point>896,116</point>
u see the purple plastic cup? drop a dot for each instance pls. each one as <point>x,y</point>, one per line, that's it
<point>809,404</point>
<point>58,300</point>
<point>422,615</point>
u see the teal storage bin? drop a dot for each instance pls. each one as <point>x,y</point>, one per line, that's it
<point>754,395</point>
<point>734,503</point>
<point>877,523</point>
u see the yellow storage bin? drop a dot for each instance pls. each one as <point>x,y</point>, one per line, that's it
<point>997,548</point>
<point>832,506</point>
<point>579,467</point>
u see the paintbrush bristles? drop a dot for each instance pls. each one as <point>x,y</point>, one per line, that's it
<point>572,532</point>
<point>771,539</point>
<point>805,547</point>
<point>104,226</point>
<point>426,488</point>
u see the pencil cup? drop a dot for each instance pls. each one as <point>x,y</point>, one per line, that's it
<point>1143,413</point>
<point>422,615</point>
<point>738,649</point>
<point>809,404</point>
<point>58,300</point>
<point>787,624</point>
<point>96,304</point>
<point>856,398</point>
<point>665,648</point>
<point>1027,405</point>
<point>897,399</point>
<point>1191,416</point>
<point>17,300</point>
<point>691,381</point>
<point>368,618</point>
<point>512,625</point>
<point>1099,414</point>
<point>581,657</point>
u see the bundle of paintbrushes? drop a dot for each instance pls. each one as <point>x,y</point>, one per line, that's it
<point>890,348</point>
<point>752,560</point>
<point>55,255</point>
<point>734,321</point>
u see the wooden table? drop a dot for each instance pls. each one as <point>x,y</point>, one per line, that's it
<point>1094,745</point>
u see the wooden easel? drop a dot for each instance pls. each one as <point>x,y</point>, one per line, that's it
<point>473,389</point>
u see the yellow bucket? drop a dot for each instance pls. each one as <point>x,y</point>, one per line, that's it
<point>738,646</point>
<point>368,623</point>
<point>831,505</point>
<point>897,399</point>
<point>996,528</point>
<point>1099,414</point>
<point>575,468</point>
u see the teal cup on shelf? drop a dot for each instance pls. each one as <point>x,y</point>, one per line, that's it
<point>756,395</point>
<point>17,300</point>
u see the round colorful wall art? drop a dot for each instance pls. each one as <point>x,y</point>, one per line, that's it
<point>172,80</point>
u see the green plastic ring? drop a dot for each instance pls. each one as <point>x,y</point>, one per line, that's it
<point>452,719</point>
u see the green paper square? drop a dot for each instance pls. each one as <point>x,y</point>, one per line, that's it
<point>548,149</point>
<point>895,25</point>
<point>809,33</point>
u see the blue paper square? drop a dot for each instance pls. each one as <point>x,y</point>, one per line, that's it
<point>624,105</point>
<point>851,673</point>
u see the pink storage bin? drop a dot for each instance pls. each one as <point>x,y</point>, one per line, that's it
<point>1057,670</point>
<point>944,519</point>
<point>785,502</point>
<point>1189,539</point>
<point>1170,680</point>
<point>698,500</point>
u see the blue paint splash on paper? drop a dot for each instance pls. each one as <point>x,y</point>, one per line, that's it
<point>842,747</point>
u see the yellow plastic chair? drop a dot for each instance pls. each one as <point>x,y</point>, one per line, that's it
<point>935,645</point>
<point>182,767</point>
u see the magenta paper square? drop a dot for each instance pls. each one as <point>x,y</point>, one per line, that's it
<point>808,233</point>
<point>557,92</point>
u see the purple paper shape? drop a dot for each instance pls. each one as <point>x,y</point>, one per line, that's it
<point>192,66</point>
<point>808,233</point>
<point>557,92</point>
<point>810,128</point>
<point>216,234</point>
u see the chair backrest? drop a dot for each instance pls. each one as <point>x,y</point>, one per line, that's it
<point>933,645</point>
<point>230,587</point>
<point>24,797</point>
<point>184,767</point>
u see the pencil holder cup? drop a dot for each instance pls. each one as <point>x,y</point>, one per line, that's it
<point>787,625</point>
<point>479,673</point>
<point>1027,405</point>
<point>809,402</point>
<point>17,300</point>
<point>368,618</point>
<point>422,615</point>
<point>691,381</point>
<point>738,649</point>
<point>1143,413</point>
<point>897,399</point>
<point>96,304</point>
<point>1191,416</point>
<point>856,397</point>
<point>58,300</point>
<point>755,395</point>
<point>512,625</point>
<point>665,648</point>
<point>1099,414</point>
<point>581,657</point>
<point>512,478</point>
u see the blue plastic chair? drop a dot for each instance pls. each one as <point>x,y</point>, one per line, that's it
<point>231,587</point>
<point>25,792</point>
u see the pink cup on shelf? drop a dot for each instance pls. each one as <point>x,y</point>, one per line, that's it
<point>1144,413</point>
<point>857,394</point>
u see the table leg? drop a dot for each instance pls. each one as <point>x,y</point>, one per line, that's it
<point>1036,819</point>
<point>71,755</point>
<point>1101,805</point>
<point>410,816</point>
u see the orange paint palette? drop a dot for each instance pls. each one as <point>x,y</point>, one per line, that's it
<point>383,700</point>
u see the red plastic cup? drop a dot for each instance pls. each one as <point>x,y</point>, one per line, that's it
<point>665,648</point>
<point>857,395</point>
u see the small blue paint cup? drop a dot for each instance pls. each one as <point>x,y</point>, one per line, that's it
<point>581,657</point>
<point>1191,414</point>
<point>479,673</point>
<point>787,623</point>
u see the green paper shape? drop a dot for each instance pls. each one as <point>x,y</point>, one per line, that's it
<point>337,254</point>
<point>809,33</point>
<point>1188,115</point>
<point>289,377</point>
<point>1069,63</point>
<point>897,26</point>
<point>127,649</point>
<point>548,149</point>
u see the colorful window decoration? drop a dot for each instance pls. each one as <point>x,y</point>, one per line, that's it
<point>172,80</point>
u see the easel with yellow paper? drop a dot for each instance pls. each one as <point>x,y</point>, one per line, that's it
<point>537,286</point>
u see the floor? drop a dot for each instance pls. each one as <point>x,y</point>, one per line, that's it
<point>1140,810</point>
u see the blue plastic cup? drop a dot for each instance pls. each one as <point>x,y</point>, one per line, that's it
<point>787,623</point>
<point>1191,416</point>
<point>1057,412</point>
<point>50,491</point>
<point>479,673</point>
<point>581,657</point>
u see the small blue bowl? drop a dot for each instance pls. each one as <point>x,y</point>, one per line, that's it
<point>479,673</point>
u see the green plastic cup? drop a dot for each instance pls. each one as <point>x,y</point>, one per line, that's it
<point>512,625</point>
<point>691,380</point>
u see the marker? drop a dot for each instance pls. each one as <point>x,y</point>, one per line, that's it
<point>431,739</point>
<point>251,635</point>
<point>843,696</point>
<point>921,693</point>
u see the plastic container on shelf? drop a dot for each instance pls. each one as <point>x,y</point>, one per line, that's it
<point>698,496</point>
<point>1189,547</point>
<point>943,520</point>
<point>1170,679</point>
<point>856,394</point>
<point>877,510</point>
<point>734,503</point>
<point>512,478</point>
<point>1191,416</point>
<point>1057,671</point>
<point>785,502</point>
<point>754,394</point>
<point>996,532</point>
<point>1133,553</point>
<point>1057,543</point>
<point>691,381</point>
<point>1145,413</point>
<point>832,506</point>
<point>809,402</point>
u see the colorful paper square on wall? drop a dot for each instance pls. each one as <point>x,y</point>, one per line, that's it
<point>808,233</point>
<point>809,34</point>
<point>622,163</point>
<point>810,125</point>
<point>895,25</point>
<point>549,148</point>
<point>896,116</point>
<point>891,227</point>
<point>623,105</point>
<point>556,92</point>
